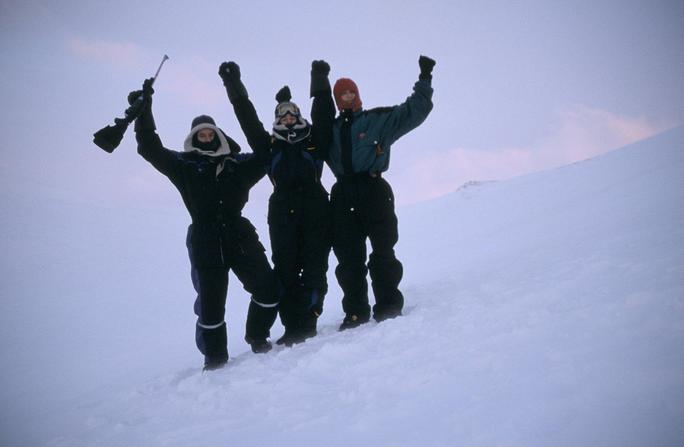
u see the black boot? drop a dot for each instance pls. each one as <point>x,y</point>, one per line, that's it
<point>211,364</point>
<point>386,314</point>
<point>258,345</point>
<point>351,321</point>
<point>290,337</point>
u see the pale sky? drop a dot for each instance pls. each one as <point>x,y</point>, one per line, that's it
<point>519,85</point>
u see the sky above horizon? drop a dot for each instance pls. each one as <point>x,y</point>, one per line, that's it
<point>519,86</point>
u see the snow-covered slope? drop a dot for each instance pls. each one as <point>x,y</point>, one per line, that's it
<point>544,310</point>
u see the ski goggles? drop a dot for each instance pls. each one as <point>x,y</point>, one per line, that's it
<point>284,108</point>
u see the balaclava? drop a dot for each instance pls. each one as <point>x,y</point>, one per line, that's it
<point>211,146</point>
<point>220,145</point>
<point>342,85</point>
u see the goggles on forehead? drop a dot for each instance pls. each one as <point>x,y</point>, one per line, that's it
<point>284,108</point>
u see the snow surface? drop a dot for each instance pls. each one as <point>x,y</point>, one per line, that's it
<point>547,310</point>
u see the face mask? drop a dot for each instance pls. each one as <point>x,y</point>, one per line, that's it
<point>211,146</point>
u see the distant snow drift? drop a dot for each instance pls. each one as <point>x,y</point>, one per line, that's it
<point>547,310</point>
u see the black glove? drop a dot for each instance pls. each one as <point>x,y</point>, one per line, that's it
<point>229,71</point>
<point>147,89</point>
<point>141,107</point>
<point>146,92</point>
<point>230,74</point>
<point>319,78</point>
<point>283,94</point>
<point>320,67</point>
<point>139,99</point>
<point>426,65</point>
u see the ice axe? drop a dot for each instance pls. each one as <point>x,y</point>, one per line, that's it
<point>109,137</point>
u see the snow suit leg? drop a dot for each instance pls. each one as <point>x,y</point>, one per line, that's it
<point>385,269</point>
<point>210,279</point>
<point>283,218</point>
<point>248,260</point>
<point>349,246</point>
<point>211,285</point>
<point>316,245</point>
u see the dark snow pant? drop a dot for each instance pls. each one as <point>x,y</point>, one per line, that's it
<point>299,226</point>
<point>214,250</point>
<point>363,207</point>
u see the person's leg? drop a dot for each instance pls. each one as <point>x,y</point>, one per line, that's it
<point>210,280</point>
<point>349,245</point>
<point>315,249</point>
<point>385,269</point>
<point>211,285</point>
<point>250,265</point>
<point>286,266</point>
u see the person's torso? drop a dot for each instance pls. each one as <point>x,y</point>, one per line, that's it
<point>210,197</point>
<point>364,134</point>
<point>294,167</point>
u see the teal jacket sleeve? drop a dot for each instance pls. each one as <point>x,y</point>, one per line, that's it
<point>405,117</point>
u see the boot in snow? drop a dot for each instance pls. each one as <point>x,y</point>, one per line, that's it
<point>258,345</point>
<point>351,321</point>
<point>290,337</point>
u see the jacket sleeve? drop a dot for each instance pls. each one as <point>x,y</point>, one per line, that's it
<point>257,137</point>
<point>164,160</point>
<point>410,114</point>
<point>322,119</point>
<point>252,168</point>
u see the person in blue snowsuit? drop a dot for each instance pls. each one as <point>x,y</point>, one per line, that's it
<point>363,201</point>
<point>299,209</point>
<point>214,180</point>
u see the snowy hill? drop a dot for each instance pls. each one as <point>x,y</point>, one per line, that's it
<point>547,310</point>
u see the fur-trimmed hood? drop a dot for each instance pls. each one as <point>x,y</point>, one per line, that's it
<point>226,147</point>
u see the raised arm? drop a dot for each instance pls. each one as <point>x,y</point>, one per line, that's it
<point>257,137</point>
<point>411,113</point>
<point>323,107</point>
<point>149,144</point>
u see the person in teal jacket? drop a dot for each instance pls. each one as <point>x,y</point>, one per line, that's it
<point>362,200</point>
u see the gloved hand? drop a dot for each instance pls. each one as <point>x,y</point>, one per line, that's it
<point>141,107</point>
<point>426,65</point>
<point>283,94</point>
<point>146,92</point>
<point>319,78</point>
<point>229,71</point>
<point>230,74</point>
<point>320,67</point>
<point>147,89</point>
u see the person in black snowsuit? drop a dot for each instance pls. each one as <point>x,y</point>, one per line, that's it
<point>298,210</point>
<point>214,181</point>
<point>363,202</point>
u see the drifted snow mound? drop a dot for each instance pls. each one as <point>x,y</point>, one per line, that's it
<point>547,310</point>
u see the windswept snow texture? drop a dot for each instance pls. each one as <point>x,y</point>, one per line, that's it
<point>547,310</point>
